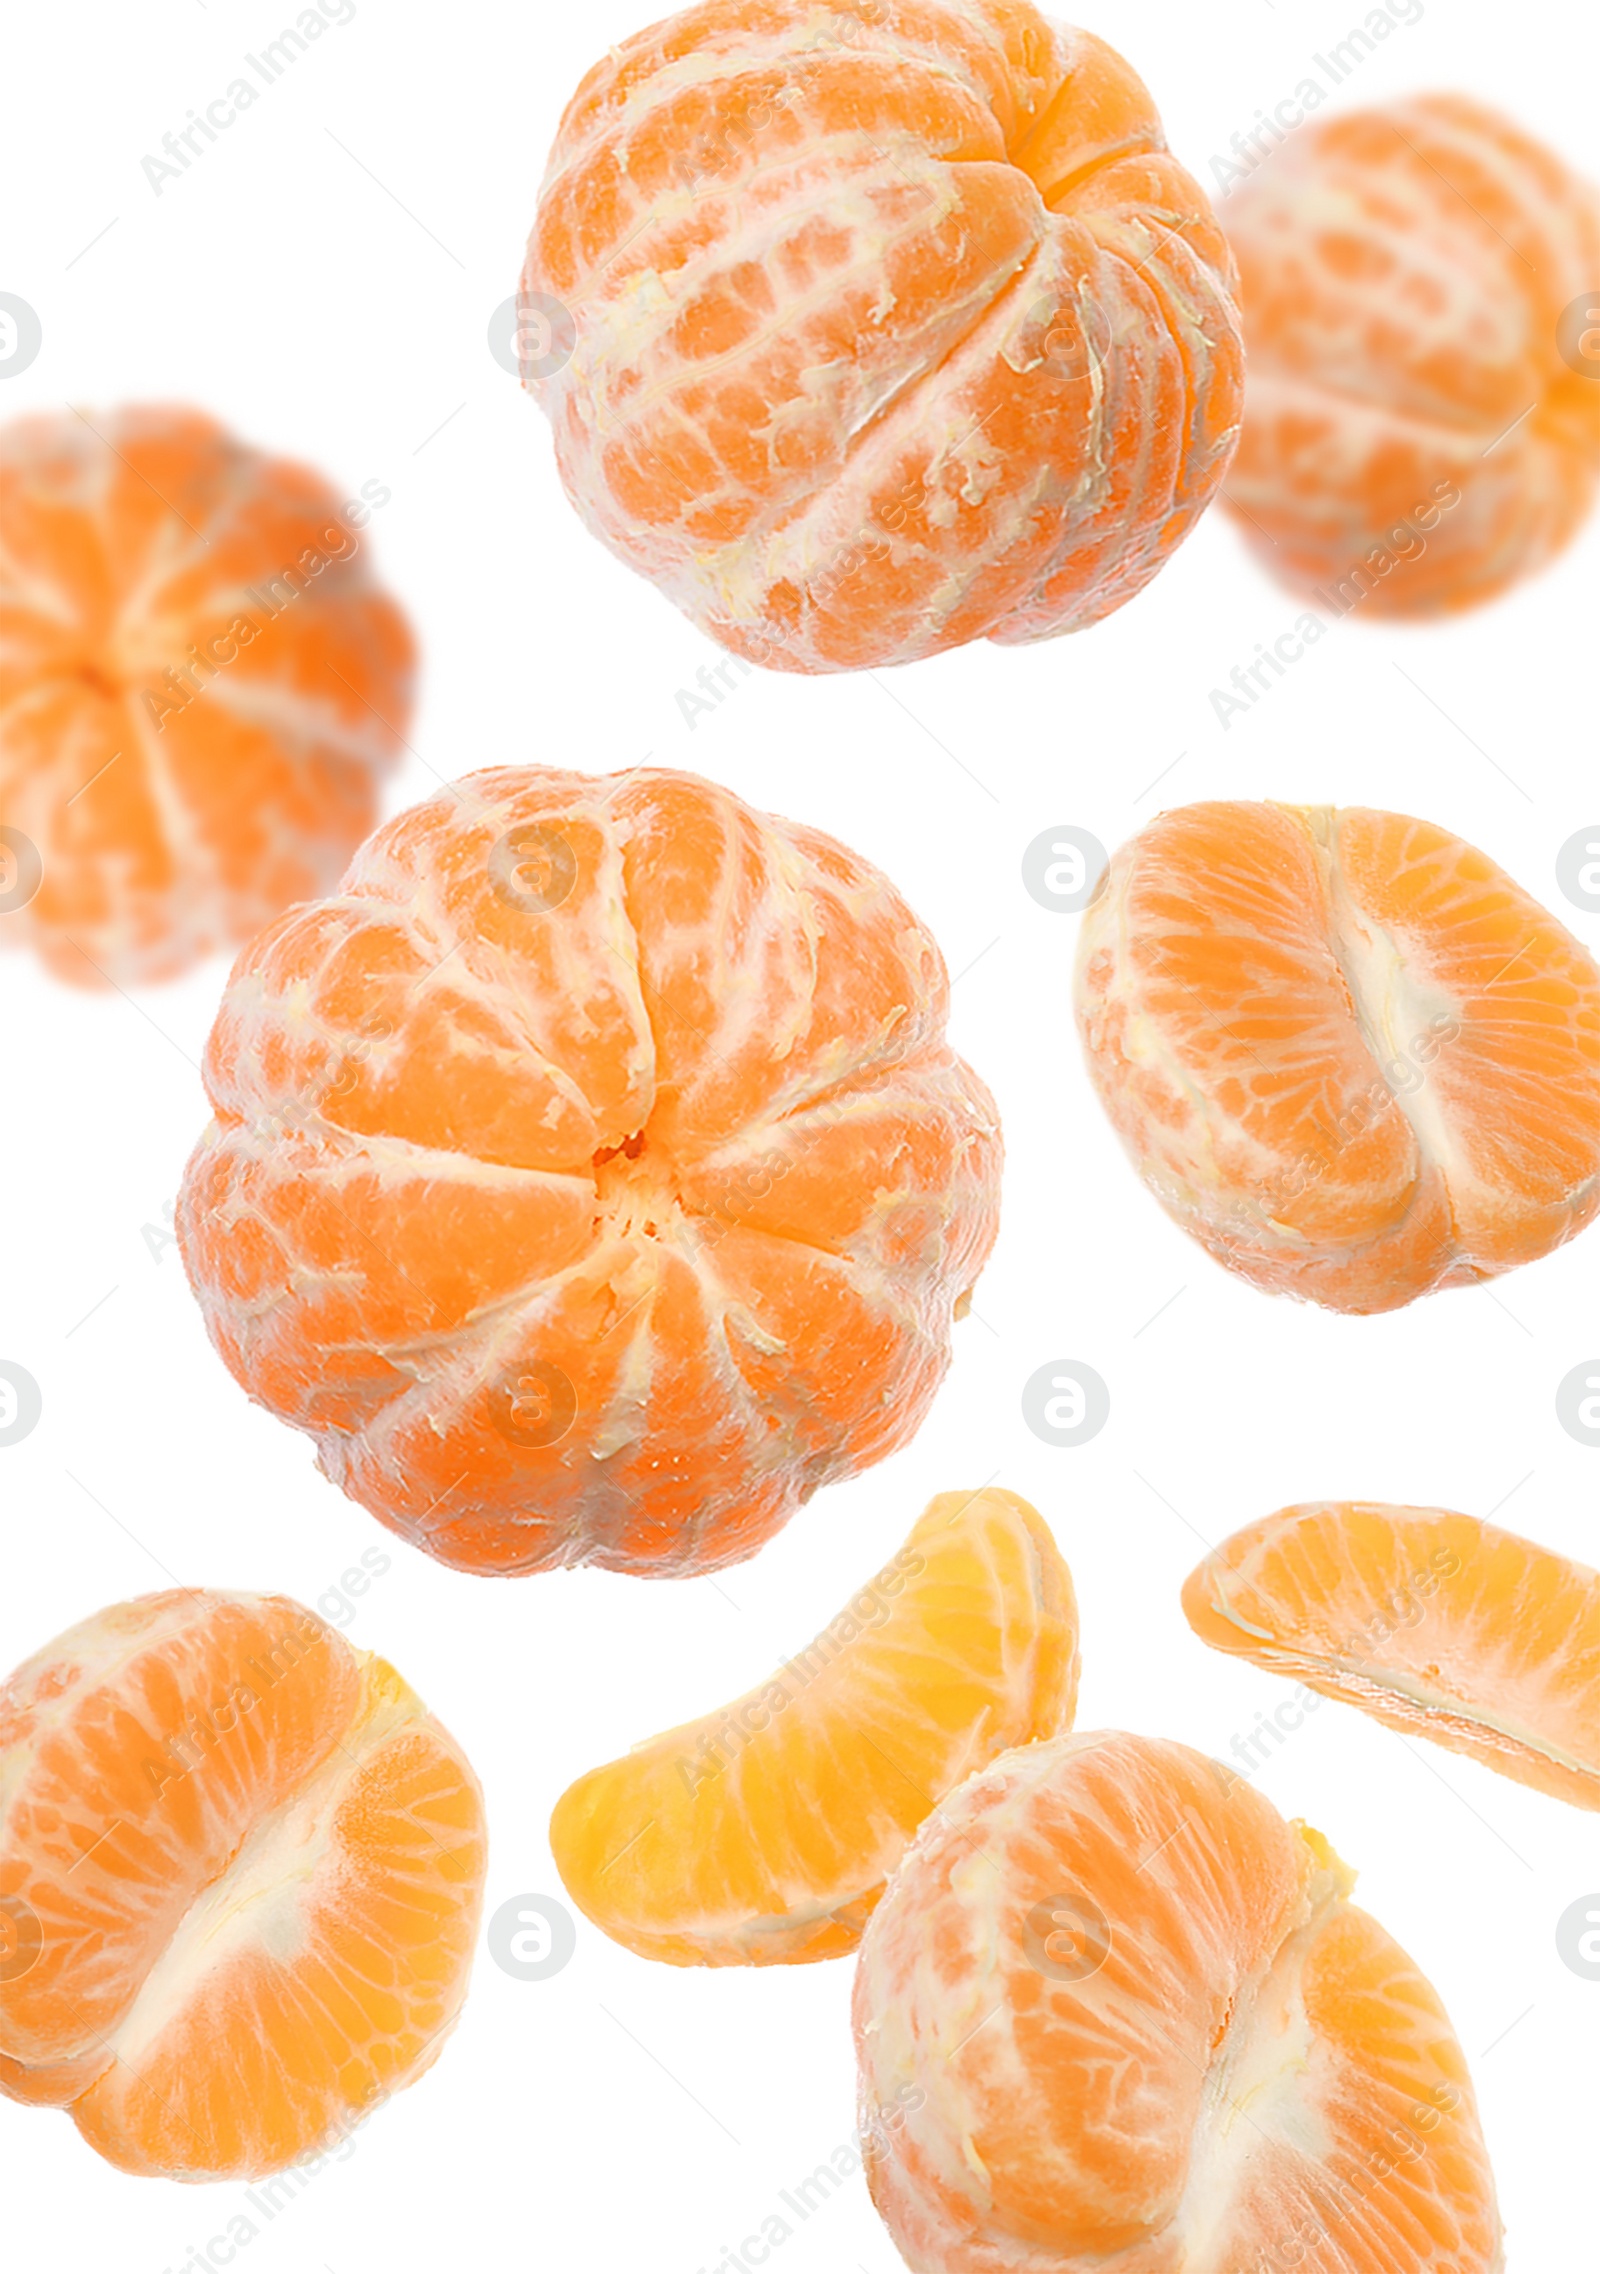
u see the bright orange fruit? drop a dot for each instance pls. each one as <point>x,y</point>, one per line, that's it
<point>1439,1625</point>
<point>201,688</point>
<point>1422,421</point>
<point>870,330</point>
<point>1343,1048</point>
<point>1115,2016</point>
<point>762,1834</point>
<point>240,1874</point>
<point>591,1176</point>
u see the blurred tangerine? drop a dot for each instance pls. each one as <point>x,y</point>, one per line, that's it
<point>201,689</point>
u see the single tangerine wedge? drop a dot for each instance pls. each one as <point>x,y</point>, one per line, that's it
<point>763,1834</point>
<point>1114,2015</point>
<point>201,689</point>
<point>1437,1625</point>
<point>591,1176</point>
<point>241,1868</point>
<point>1421,291</point>
<point>868,330</point>
<point>1345,1051</point>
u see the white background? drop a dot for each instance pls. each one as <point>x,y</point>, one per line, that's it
<point>323,280</point>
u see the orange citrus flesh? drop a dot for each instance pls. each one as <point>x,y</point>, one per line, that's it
<point>1438,1625</point>
<point>591,1176</point>
<point>201,686</point>
<point>1115,2016</point>
<point>867,332</point>
<point>1343,1048</point>
<point>763,1834</point>
<point>241,1868</point>
<point>1415,437</point>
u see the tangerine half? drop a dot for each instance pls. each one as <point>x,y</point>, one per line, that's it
<point>1344,1050</point>
<point>201,689</point>
<point>1438,1625</point>
<point>763,1833</point>
<point>1115,2016</point>
<point>866,333</point>
<point>1422,419</point>
<point>591,1176</point>
<point>241,1868</point>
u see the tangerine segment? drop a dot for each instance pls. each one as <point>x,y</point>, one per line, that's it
<point>1418,432</point>
<point>869,335</point>
<point>201,686</point>
<point>1438,1625</point>
<point>763,1834</point>
<point>1344,1049</point>
<point>244,1868</point>
<point>591,1176</point>
<point>1114,2013</point>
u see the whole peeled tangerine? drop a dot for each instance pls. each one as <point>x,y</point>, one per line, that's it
<point>591,1176</point>
<point>1421,295</point>
<point>1344,1050</point>
<point>872,329</point>
<point>202,689</point>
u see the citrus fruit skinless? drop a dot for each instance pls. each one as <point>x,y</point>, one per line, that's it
<point>1344,1050</point>
<point>762,1834</point>
<point>1114,2015</point>
<point>1438,1625</point>
<point>201,688</point>
<point>591,1176</point>
<point>241,1868</point>
<point>1421,426</point>
<point>868,331</point>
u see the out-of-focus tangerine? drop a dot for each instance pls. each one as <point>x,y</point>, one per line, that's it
<point>201,689</point>
<point>1421,428</point>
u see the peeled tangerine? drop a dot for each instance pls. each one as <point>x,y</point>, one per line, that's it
<point>1422,422</point>
<point>1115,2016</point>
<point>1343,1049</point>
<point>591,1176</point>
<point>872,328</point>
<point>201,689</point>
<point>1438,1625</point>
<point>241,1867</point>
<point>763,1834</point>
